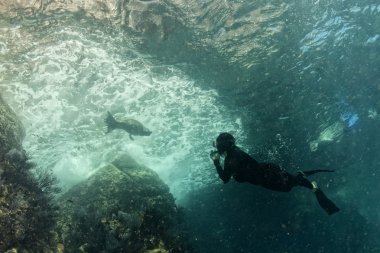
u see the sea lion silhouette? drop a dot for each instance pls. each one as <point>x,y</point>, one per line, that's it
<point>131,126</point>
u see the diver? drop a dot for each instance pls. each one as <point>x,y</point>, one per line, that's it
<point>243,168</point>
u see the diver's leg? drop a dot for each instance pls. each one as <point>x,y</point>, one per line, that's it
<point>275,178</point>
<point>301,180</point>
<point>323,201</point>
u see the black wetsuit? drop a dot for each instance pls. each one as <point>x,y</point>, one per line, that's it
<point>243,168</point>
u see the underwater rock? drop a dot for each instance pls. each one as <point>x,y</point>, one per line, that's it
<point>99,9</point>
<point>123,207</point>
<point>147,17</point>
<point>12,131</point>
<point>27,210</point>
<point>26,217</point>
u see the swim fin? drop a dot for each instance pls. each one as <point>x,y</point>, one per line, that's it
<point>311,172</point>
<point>325,203</point>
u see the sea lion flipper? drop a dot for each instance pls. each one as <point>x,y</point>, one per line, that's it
<point>110,122</point>
<point>130,136</point>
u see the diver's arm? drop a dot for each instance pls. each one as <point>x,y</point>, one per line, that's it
<point>223,174</point>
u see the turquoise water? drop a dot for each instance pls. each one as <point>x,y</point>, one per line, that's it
<point>297,83</point>
<point>62,81</point>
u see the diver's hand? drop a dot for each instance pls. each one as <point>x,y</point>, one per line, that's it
<point>214,155</point>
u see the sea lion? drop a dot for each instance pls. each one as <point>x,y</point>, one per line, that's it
<point>131,126</point>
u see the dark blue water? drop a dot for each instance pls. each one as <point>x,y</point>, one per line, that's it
<point>297,83</point>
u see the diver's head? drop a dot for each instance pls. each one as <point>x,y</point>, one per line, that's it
<point>224,142</point>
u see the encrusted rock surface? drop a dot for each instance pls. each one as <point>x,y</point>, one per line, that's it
<point>146,17</point>
<point>99,8</point>
<point>11,130</point>
<point>123,207</point>
<point>27,212</point>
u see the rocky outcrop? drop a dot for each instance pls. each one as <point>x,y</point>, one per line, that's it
<point>238,36</point>
<point>27,212</point>
<point>146,17</point>
<point>100,9</point>
<point>123,207</point>
<point>11,130</point>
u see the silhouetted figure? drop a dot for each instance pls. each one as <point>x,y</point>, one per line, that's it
<point>243,168</point>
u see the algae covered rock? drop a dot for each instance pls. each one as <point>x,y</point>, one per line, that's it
<point>11,130</point>
<point>27,209</point>
<point>123,207</point>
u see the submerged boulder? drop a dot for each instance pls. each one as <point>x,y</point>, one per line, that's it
<point>146,17</point>
<point>123,207</point>
<point>154,24</point>
<point>11,130</point>
<point>27,210</point>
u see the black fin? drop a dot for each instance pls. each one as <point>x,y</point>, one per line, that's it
<point>312,172</point>
<point>110,122</point>
<point>130,136</point>
<point>326,203</point>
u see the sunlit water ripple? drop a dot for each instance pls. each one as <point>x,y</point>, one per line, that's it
<point>64,81</point>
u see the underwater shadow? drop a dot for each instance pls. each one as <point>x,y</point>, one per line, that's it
<point>245,218</point>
